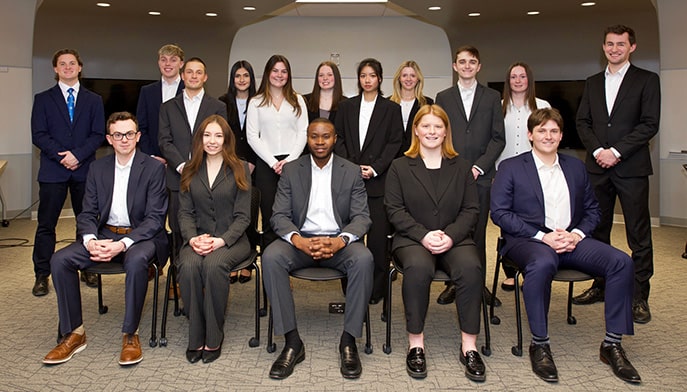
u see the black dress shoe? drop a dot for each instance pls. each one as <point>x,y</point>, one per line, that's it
<point>90,278</point>
<point>474,367</point>
<point>614,355</point>
<point>194,356</point>
<point>233,278</point>
<point>350,362</point>
<point>640,312</point>
<point>507,287</point>
<point>488,297</point>
<point>287,360</point>
<point>245,278</point>
<point>416,365</point>
<point>447,296</point>
<point>542,362</point>
<point>590,296</point>
<point>40,287</point>
<point>211,355</point>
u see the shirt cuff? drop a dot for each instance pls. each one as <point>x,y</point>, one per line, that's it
<point>596,152</point>
<point>127,242</point>
<point>615,152</point>
<point>351,237</point>
<point>181,167</point>
<point>481,172</point>
<point>288,236</point>
<point>539,236</point>
<point>578,232</point>
<point>87,238</point>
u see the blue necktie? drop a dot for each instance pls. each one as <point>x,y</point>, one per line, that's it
<point>70,104</point>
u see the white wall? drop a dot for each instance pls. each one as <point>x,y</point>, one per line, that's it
<point>306,42</point>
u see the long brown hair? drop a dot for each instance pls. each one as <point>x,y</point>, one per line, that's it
<point>289,94</point>
<point>529,94</point>
<point>228,154</point>
<point>447,150</point>
<point>337,95</point>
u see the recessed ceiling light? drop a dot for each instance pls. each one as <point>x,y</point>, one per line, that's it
<point>342,1</point>
<point>588,4</point>
<point>154,13</point>
<point>473,14</point>
<point>248,8</point>
<point>211,14</point>
<point>434,8</point>
<point>102,4</point>
<point>532,12</point>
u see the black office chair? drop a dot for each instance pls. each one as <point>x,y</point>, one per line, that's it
<point>563,275</point>
<point>318,274</point>
<point>116,267</point>
<point>439,276</point>
<point>249,262</point>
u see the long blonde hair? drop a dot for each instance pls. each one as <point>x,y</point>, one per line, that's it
<point>396,96</point>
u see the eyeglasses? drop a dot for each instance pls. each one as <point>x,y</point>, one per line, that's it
<point>119,136</point>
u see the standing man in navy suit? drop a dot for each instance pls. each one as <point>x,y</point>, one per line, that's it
<point>170,60</point>
<point>544,203</point>
<point>123,221</point>
<point>618,116</point>
<point>68,126</point>
<point>479,136</point>
<point>179,119</point>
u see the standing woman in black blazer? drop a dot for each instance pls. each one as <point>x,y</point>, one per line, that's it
<point>241,90</point>
<point>326,94</point>
<point>276,125</point>
<point>369,132</point>
<point>214,214</point>
<point>431,198</point>
<point>408,84</point>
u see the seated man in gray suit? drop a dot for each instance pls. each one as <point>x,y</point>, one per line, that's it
<point>123,218</point>
<point>320,212</point>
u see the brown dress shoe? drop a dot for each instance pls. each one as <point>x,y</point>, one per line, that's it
<point>131,350</point>
<point>70,345</point>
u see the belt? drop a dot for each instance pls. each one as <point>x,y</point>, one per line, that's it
<point>119,229</point>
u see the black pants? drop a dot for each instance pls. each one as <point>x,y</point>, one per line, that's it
<point>266,180</point>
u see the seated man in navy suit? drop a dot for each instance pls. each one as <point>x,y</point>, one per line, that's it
<point>321,215</point>
<point>546,208</point>
<point>123,221</point>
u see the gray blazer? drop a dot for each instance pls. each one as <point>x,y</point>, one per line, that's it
<point>348,196</point>
<point>481,139</point>
<point>222,210</point>
<point>175,134</point>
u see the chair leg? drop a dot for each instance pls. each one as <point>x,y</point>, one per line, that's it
<point>153,327</point>
<point>494,319</point>
<point>271,347</point>
<point>387,345</point>
<point>368,344</point>
<point>571,318</point>
<point>486,349</point>
<point>102,309</point>
<point>517,350</point>
<point>165,306</point>
<point>255,340</point>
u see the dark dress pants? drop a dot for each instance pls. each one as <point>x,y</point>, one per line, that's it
<point>377,243</point>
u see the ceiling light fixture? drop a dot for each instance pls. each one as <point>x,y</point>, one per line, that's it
<point>154,13</point>
<point>104,5</point>
<point>473,14</point>
<point>434,8</point>
<point>341,1</point>
<point>532,12</point>
<point>588,4</point>
<point>248,8</point>
<point>212,14</point>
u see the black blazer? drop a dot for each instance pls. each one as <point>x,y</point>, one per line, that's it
<point>176,134</point>
<point>408,134</point>
<point>481,139</point>
<point>633,122</point>
<point>316,114</point>
<point>414,207</point>
<point>148,116</point>
<point>382,142</point>
<point>243,150</point>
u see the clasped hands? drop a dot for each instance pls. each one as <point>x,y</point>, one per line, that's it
<point>562,241</point>
<point>318,248</point>
<point>69,160</point>
<point>437,242</point>
<point>367,172</point>
<point>606,158</point>
<point>103,251</point>
<point>204,244</point>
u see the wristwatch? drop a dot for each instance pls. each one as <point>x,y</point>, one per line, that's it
<point>345,239</point>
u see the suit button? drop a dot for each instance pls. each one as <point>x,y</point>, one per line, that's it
<point>435,212</point>
<point>609,125</point>
<point>467,131</point>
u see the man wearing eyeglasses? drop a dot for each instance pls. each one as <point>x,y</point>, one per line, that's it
<point>123,220</point>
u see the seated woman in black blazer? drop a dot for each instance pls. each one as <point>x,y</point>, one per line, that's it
<point>431,200</point>
<point>214,214</point>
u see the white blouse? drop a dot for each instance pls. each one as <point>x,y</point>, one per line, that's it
<point>271,132</point>
<point>516,130</point>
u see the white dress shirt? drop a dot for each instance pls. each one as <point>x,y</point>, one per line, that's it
<point>467,95</point>
<point>271,132</point>
<point>192,105</point>
<point>169,90</point>
<point>366,109</point>
<point>241,108</point>
<point>406,108</point>
<point>612,86</point>
<point>515,123</point>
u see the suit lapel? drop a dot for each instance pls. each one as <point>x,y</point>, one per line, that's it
<point>419,171</point>
<point>305,174</point>
<point>446,173</point>
<point>530,170</point>
<point>337,181</point>
<point>459,102</point>
<point>355,122</point>
<point>479,91</point>
<point>134,180</point>
<point>375,122</point>
<point>179,101</point>
<point>108,185</point>
<point>60,103</point>
<point>625,87</point>
<point>570,180</point>
<point>202,112</point>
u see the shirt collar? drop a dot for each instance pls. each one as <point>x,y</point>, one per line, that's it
<point>174,83</point>
<point>540,164</point>
<point>621,72</point>
<point>65,87</point>
<point>329,164</point>
<point>466,89</point>
<point>126,165</point>
<point>197,97</point>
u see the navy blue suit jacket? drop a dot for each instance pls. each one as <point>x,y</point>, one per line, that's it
<point>146,200</point>
<point>148,115</point>
<point>517,199</point>
<point>52,132</point>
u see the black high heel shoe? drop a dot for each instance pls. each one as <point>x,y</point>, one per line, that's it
<point>245,278</point>
<point>194,356</point>
<point>233,278</point>
<point>211,356</point>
